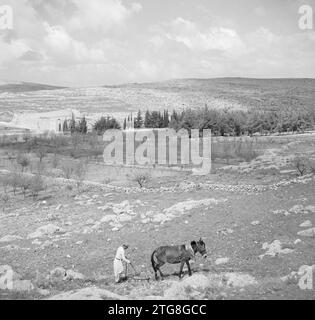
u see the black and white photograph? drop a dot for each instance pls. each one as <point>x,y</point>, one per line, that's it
<point>157,151</point>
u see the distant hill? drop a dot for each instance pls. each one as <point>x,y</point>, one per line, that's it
<point>243,93</point>
<point>25,87</point>
<point>120,100</point>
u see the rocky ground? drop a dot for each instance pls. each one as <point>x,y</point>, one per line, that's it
<point>259,235</point>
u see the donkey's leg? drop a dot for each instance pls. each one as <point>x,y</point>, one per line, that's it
<point>188,266</point>
<point>158,266</point>
<point>155,272</point>
<point>181,268</point>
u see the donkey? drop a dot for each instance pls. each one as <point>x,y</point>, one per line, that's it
<point>177,254</point>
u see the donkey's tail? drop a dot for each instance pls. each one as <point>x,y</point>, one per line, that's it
<point>152,260</point>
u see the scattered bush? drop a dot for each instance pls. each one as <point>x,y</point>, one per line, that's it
<point>4,198</point>
<point>142,178</point>
<point>68,168</point>
<point>80,172</point>
<point>41,153</point>
<point>36,185</point>
<point>303,165</point>
<point>23,161</point>
<point>24,184</point>
<point>55,161</point>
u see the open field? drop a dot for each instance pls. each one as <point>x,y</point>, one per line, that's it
<point>256,218</point>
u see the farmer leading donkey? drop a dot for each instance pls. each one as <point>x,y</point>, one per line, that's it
<point>118,263</point>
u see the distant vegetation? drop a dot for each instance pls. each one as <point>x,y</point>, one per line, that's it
<point>229,123</point>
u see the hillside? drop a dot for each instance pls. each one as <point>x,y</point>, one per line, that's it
<point>25,87</point>
<point>227,93</point>
<point>244,92</point>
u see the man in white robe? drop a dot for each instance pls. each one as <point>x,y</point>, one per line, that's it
<point>118,263</point>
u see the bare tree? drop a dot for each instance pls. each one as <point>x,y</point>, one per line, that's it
<point>301,164</point>
<point>142,178</point>
<point>41,153</point>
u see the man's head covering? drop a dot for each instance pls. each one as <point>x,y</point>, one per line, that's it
<point>126,246</point>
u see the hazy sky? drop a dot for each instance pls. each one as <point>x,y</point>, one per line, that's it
<point>96,42</point>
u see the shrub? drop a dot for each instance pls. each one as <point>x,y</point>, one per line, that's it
<point>80,172</point>
<point>142,178</point>
<point>24,184</point>
<point>15,180</point>
<point>41,153</point>
<point>36,185</point>
<point>55,161</point>
<point>303,165</point>
<point>23,160</point>
<point>68,168</point>
<point>4,198</point>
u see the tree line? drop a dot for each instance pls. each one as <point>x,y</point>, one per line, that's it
<point>237,123</point>
<point>221,122</point>
<point>228,122</point>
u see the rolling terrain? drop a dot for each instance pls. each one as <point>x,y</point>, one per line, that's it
<point>257,220</point>
<point>118,100</point>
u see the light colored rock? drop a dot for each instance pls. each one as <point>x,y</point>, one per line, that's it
<point>220,261</point>
<point>87,230</point>
<point>47,230</point>
<point>225,231</point>
<point>36,242</point>
<point>282,212</point>
<point>73,275</point>
<point>91,293</point>
<point>297,209</point>
<point>108,218</point>
<point>46,244</point>
<point>58,273</point>
<point>306,224</point>
<point>10,238</point>
<point>124,218</point>
<point>181,208</point>
<point>307,233</point>
<point>274,249</point>
<point>310,209</point>
<point>297,241</point>
<point>183,288</point>
<point>255,223</point>
<point>160,218</point>
<point>239,280</point>
<point>43,292</point>
<point>11,247</point>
